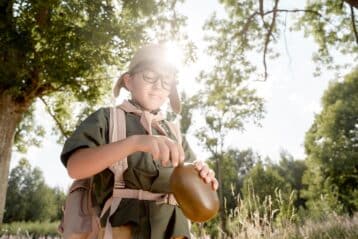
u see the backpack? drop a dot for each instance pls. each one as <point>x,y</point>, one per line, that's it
<point>81,219</point>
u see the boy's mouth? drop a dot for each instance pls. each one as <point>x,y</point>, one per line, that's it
<point>155,96</point>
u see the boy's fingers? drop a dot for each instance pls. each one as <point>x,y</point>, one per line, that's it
<point>198,165</point>
<point>181,154</point>
<point>155,151</point>
<point>215,184</point>
<point>164,153</point>
<point>204,172</point>
<point>212,173</point>
<point>174,153</point>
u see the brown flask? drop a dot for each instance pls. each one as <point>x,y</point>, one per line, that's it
<point>197,199</point>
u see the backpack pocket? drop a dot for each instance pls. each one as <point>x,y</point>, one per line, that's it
<point>78,215</point>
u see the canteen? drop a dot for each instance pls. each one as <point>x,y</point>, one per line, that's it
<point>197,199</point>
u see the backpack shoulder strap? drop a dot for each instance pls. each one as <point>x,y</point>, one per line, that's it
<point>117,131</point>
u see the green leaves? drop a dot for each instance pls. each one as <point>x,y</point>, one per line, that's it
<point>28,132</point>
<point>331,144</point>
<point>29,198</point>
<point>66,49</point>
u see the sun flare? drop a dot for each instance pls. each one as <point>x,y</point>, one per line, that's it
<point>175,54</point>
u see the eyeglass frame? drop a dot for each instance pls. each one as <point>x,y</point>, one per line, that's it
<point>153,80</point>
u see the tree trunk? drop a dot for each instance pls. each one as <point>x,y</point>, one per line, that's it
<point>10,116</point>
<point>221,199</point>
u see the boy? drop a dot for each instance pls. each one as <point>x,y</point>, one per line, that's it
<point>150,146</point>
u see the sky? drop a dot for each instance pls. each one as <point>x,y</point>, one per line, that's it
<point>292,97</point>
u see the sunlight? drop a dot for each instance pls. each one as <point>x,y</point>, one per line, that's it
<point>175,54</point>
<point>186,72</point>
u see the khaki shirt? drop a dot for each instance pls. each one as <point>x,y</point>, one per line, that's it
<point>148,219</point>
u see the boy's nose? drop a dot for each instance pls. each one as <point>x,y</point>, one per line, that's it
<point>157,84</point>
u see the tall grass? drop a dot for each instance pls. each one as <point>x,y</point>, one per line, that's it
<point>277,218</point>
<point>29,230</point>
<point>259,218</point>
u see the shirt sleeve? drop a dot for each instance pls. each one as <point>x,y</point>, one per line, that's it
<point>92,132</point>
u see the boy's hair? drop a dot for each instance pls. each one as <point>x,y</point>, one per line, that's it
<point>153,53</point>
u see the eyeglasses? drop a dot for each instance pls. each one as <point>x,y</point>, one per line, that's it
<point>167,81</point>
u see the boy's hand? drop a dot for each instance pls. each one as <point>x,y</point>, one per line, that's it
<point>162,148</point>
<point>206,173</point>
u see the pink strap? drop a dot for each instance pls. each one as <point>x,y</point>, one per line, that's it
<point>118,132</point>
<point>141,195</point>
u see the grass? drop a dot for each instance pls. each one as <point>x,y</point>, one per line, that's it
<point>257,219</point>
<point>29,230</point>
<point>249,221</point>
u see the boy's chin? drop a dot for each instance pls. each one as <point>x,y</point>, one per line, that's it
<point>151,107</point>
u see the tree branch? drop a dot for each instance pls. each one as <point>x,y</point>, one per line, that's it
<point>352,3</point>
<point>261,6</point>
<point>252,16</point>
<point>274,11</point>
<point>261,9</point>
<point>354,24</point>
<point>58,123</point>
<point>268,35</point>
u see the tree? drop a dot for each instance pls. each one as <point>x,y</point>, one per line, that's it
<point>332,147</point>
<point>60,53</point>
<point>236,164</point>
<point>28,197</point>
<point>268,198</point>
<point>255,26</point>
<point>60,198</point>
<point>262,182</point>
<point>227,103</point>
<point>292,171</point>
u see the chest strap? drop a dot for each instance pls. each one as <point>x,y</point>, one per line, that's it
<point>160,198</point>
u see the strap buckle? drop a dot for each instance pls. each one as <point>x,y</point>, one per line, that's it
<point>168,198</point>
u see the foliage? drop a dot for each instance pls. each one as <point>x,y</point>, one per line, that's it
<point>254,27</point>
<point>333,26</point>
<point>236,164</point>
<point>186,113</point>
<point>332,148</point>
<point>62,51</point>
<point>264,182</point>
<point>28,133</point>
<point>292,171</point>
<point>29,198</point>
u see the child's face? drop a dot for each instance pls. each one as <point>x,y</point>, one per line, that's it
<point>150,86</point>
